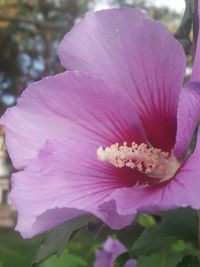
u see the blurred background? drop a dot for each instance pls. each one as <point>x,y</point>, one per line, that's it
<point>30,31</point>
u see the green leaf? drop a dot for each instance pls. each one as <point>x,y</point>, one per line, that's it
<point>162,259</point>
<point>65,260</point>
<point>152,240</point>
<point>121,259</point>
<point>189,261</point>
<point>187,248</point>
<point>57,239</point>
<point>95,227</point>
<point>175,225</point>
<point>183,218</point>
<point>178,246</point>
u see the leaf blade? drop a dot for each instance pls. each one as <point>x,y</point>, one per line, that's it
<point>58,238</point>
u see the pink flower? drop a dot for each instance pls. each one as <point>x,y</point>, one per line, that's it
<point>111,249</point>
<point>110,136</point>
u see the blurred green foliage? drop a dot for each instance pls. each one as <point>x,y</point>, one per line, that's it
<point>65,260</point>
<point>16,252</point>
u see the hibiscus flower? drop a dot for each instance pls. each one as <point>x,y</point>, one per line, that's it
<point>110,136</point>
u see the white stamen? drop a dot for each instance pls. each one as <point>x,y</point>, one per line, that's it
<point>149,160</point>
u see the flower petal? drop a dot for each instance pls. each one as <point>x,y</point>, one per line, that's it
<point>72,106</point>
<point>181,191</point>
<point>188,178</point>
<point>187,117</point>
<point>30,226</point>
<point>136,55</point>
<point>65,177</point>
<point>111,249</point>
